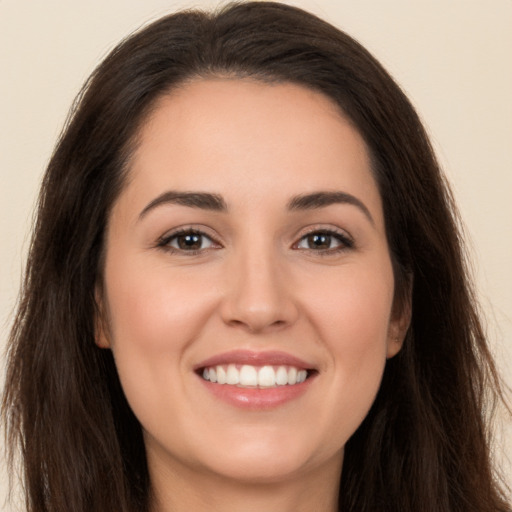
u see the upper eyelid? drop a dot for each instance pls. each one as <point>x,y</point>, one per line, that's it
<point>165,242</point>
<point>332,230</point>
<point>195,229</point>
<point>176,234</point>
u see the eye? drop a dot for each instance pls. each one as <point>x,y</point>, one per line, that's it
<point>324,240</point>
<point>189,240</point>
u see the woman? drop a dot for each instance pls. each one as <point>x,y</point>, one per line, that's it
<point>246,288</point>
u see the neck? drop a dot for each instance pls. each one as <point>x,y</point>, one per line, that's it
<point>183,489</point>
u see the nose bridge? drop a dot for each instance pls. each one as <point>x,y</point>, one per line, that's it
<point>257,294</point>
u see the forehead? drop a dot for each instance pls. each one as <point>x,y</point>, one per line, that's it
<point>255,137</point>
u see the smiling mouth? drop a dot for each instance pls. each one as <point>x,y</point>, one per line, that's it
<point>249,376</point>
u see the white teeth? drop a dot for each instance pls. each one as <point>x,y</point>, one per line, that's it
<point>232,375</point>
<point>248,376</point>
<point>266,376</point>
<point>221,375</point>
<point>281,376</point>
<point>252,376</point>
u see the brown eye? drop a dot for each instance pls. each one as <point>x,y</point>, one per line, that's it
<point>189,241</point>
<point>319,241</point>
<point>324,241</point>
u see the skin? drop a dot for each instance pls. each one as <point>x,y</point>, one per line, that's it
<point>256,283</point>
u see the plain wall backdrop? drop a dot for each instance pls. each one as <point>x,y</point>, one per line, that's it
<point>452,57</point>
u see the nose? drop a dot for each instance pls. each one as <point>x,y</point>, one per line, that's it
<point>259,293</point>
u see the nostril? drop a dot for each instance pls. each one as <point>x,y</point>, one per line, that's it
<point>257,323</point>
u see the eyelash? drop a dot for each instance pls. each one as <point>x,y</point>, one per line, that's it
<point>165,241</point>
<point>345,242</point>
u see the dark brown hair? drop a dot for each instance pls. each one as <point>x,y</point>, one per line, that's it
<point>424,445</point>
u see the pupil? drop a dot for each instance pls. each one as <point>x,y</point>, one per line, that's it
<point>190,241</point>
<point>319,241</point>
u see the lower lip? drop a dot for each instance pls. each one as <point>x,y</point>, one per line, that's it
<point>257,398</point>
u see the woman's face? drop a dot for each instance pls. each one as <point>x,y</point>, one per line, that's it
<point>247,253</point>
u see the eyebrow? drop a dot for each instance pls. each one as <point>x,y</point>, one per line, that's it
<point>202,200</point>
<point>322,199</point>
<point>215,202</point>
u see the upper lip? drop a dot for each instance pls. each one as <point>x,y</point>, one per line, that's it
<point>267,358</point>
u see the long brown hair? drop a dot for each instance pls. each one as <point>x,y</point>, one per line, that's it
<point>424,446</point>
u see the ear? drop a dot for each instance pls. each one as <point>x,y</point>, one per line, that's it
<point>400,321</point>
<point>101,330</point>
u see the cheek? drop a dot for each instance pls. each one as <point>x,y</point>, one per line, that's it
<point>352,307</point>
<point>352,315</point>
<point>152,308</point>
<point>154,315</point>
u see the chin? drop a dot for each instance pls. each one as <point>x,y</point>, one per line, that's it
<point>258,469</point>
<point>268,458</point>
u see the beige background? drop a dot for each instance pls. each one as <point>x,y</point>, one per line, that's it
<point>452,57</point>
